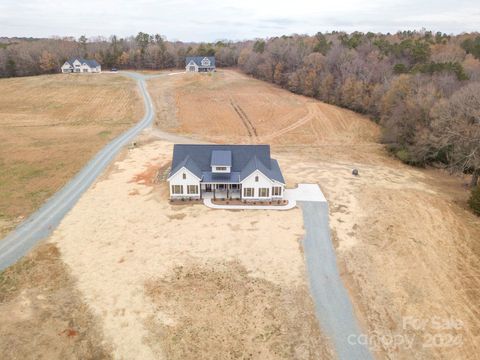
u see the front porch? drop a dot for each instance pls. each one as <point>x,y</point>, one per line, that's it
<point>221,191</point>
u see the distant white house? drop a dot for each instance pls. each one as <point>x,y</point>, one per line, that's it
<point>200,63</point>
<point>79,65</point>
<point>244,172</point>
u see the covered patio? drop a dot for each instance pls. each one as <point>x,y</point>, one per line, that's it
<point>221,191</point>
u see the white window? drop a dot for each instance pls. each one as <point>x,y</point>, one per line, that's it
<point>277,191</point>
<point>177,189</point>
<point>220,168</point>
<point>256,178</point>
<point>184,176</point>
<point>263,192</point>
<point>192,189</point>
<point>248,192</point>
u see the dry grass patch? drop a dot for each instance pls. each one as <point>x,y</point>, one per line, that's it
<point>405,246</point>
<point>220,312</point>
<point>43,315</point>
<point>228,106</point>
<point>50,126</point>
<point>115,242</point>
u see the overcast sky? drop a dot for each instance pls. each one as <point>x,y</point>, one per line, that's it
<point>210,20</point>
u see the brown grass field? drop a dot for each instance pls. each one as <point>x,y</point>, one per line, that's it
<point>43,314</point>
<point>227,106</point>
<point>406,244</point>
<point>50,126</point>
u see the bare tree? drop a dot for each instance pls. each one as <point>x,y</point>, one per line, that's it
<point>456,129</point>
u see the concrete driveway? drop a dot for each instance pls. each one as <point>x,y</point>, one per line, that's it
<point>305,192</point>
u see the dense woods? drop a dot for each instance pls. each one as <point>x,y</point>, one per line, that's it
<point>23,57</point>
<point>422,87</point>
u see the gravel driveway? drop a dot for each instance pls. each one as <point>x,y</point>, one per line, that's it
<point>332,304</point>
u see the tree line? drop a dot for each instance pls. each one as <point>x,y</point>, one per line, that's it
<point>25,57</point>
<point>422,87</point>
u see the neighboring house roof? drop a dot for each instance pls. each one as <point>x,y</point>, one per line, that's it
<point>198,60</point>
<point>90,63</point>
<point>244,160</point>
<point>221,158</point>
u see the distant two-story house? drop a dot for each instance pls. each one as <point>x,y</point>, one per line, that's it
<point>79,65</point>
<point>200,63</point>
<point>244,172</point>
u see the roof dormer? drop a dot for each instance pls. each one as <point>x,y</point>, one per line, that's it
<point>205,61</point>
<point>221,161</point>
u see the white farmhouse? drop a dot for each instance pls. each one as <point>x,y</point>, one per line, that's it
<point>79,65</point>
<point>244,172</point>
<point>200,63</point>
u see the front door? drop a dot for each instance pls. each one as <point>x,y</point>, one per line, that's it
<point>208,187</point>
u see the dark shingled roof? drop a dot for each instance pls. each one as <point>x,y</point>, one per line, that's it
<point>91,63</point>
<point>221,158</point>
<point>198,60</point>
<point>233,177</point>
<point>189,164</point>
<point>244,160</point>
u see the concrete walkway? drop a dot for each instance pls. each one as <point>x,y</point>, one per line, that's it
<point>304,192</point>
<point>290,205</point>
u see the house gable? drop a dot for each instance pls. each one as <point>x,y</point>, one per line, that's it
<point>262,178</point>
<point>182,182</point>
<point>183,169</point>
<point>231,167</point>
<point>201,61</point>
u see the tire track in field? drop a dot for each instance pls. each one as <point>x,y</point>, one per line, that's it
<point>252,131</point>
<point>312,111</point>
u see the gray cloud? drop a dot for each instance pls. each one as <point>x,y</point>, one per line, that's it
<point>210,20</point>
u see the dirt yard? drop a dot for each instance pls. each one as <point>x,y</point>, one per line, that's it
<point>406,243</point>
<point>186,281</point>
<point>43,313</point>
<point>50,126</point>
<point>155,280</point>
